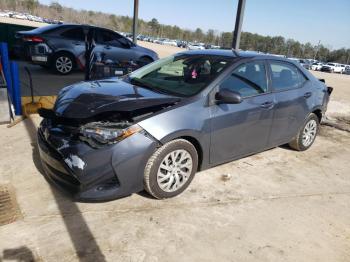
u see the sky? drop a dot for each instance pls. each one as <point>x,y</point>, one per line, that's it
<point>302,20</point>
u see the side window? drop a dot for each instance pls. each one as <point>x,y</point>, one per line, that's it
<point>248,79</point>
<point>285,76</point>
<point>109,38</point>
<point>76,33</point>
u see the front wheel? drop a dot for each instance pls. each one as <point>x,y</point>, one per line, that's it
<point>306,135</point>
<point>170,170</point>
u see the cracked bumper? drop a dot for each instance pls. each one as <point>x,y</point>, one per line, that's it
<point>89,174</point>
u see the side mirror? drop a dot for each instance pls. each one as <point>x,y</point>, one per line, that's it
<point>226,96</point>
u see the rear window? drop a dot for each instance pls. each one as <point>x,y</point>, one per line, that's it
<point>285,76</point>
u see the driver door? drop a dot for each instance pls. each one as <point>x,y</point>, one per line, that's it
<point>244,128</point>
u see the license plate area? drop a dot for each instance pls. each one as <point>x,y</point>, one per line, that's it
<point>39,58</point>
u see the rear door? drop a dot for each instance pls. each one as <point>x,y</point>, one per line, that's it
<point>293,97</point>
<point>112,46</point>
<point>240,129</point>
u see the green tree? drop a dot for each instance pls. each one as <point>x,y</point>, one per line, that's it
<point>199,35</point>
<point>57,7</point>
<point>210,37</point>
<point>30,5</point>
<point>114,22</point>
<point>154,25</point>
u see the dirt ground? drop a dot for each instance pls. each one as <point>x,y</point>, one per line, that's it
<point>279,205</point>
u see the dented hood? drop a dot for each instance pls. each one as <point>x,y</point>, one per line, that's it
<point>87,99</point>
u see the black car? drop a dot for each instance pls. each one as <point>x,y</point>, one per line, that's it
<point>62,46</point>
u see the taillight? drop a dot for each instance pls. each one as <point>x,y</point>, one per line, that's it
<point>35,39</point>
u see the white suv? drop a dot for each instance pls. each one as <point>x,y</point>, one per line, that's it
<point>316,66</point>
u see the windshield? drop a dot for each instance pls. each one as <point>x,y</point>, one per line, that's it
<point>183,75</point>
<point>330,64</point>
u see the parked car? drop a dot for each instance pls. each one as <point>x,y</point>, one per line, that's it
<point>342,68</point>
<point>212,47</point>
<point>160,40</point>
<point>169,42</point>
<point>347,70</point>
<point>332,68</point>
<point>192,46</point>
<point>19,16</point>
<point>4,14</point>
<point>155,128</point>
<point>305,63</point>
<point>317,66</point>
<point>181,43</point>
<point>58,46</point>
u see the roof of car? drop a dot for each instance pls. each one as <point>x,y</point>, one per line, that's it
<point>231,53</point>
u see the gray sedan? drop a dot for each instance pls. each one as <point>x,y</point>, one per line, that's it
<point>62,46</point>
<point>155,128</point>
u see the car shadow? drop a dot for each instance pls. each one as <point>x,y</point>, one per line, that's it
<point>84,242</point>
<point>144,194</point>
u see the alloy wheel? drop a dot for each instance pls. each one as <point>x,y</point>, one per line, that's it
<point>309,133</point>
<point>64,64</point>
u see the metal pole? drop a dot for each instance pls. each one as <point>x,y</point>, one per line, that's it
<point>135,21</point>
<point>238,25</point>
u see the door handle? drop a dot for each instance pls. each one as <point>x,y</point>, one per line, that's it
<point>307,94</point>
<point>107,47</point>
<point>76,43</point>
<point>267,105</point>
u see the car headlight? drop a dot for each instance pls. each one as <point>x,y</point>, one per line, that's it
<point>108,133</point>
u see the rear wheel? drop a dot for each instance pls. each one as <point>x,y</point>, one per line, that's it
<point>306,135</point>
<point>63,63</point>
<point>171,169</point>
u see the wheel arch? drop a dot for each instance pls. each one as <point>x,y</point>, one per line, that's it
<point>146,57</point>
<point>198,148</point>
<point>194,140</point>
<point>318,113</point>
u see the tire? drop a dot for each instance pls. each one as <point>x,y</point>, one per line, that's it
<point>169,181</point>
<point>63,63</point>
<point>307,134</point>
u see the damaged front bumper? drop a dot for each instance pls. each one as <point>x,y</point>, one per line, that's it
<point>90,174</point>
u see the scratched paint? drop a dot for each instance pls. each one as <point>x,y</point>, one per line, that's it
<point>75,161</point>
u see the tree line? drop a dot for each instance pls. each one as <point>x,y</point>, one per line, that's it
<point>254,42</point>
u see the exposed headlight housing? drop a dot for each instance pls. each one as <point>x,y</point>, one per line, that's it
<point>107,133</point>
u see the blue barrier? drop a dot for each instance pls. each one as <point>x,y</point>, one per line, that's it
<point>11,73</point>
<point>6,66</point>
<point>16,88</point>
